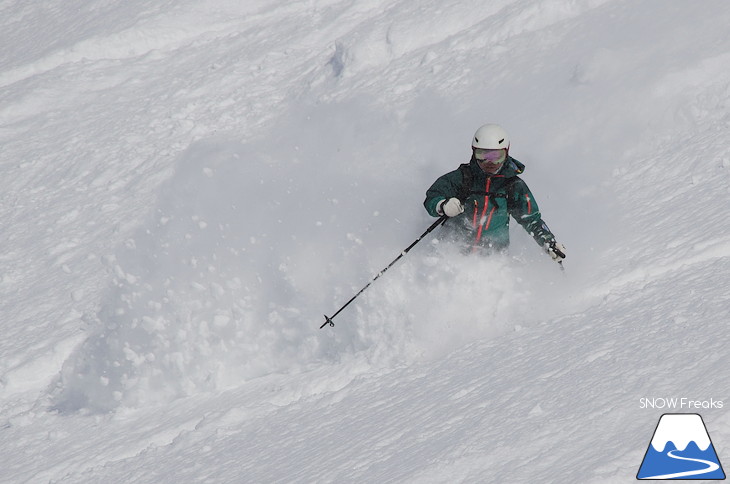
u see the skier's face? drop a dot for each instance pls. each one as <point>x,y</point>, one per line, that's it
<point>490,161</point>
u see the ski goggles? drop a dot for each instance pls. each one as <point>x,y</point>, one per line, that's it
<point>493,157</point>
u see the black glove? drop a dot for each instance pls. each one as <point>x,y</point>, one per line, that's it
<point>556,250</point>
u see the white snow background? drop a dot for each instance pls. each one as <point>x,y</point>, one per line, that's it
<point>187,187</point>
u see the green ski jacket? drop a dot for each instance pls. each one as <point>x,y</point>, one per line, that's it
<point>488,204</point>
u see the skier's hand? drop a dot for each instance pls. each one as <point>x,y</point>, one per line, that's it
<point>556,250</point>
<point>451,207</point>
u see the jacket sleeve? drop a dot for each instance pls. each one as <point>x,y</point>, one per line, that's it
<point>524,209</point>
<point>445,187</point>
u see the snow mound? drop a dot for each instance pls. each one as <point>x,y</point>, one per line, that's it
<point>199,294</point>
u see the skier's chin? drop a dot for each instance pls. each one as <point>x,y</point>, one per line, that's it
<point>490,169</point>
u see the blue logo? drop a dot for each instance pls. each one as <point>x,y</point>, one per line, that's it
<point>681,449</point>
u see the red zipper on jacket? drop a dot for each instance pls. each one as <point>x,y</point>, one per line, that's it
<point>483,226</point>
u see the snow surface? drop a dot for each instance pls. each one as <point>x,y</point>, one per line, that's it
<point>188,186</point>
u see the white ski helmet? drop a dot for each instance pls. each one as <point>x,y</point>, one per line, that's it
<point>491,137</point>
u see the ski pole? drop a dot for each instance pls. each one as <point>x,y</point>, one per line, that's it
<point>328,320</point>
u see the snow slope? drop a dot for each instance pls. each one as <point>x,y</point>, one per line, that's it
<point>188,186</point>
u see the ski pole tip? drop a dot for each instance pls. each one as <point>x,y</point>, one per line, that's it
<point>327,320</point>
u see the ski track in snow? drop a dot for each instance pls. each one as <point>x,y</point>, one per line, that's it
<point>711,467</point>
<point>188,188</point>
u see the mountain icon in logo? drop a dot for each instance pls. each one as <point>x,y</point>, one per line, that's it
<point>681,449</point>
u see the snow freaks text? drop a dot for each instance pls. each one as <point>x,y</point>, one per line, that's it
<point>679,403</point>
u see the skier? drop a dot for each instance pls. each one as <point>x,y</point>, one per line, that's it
<point>480,196</point>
